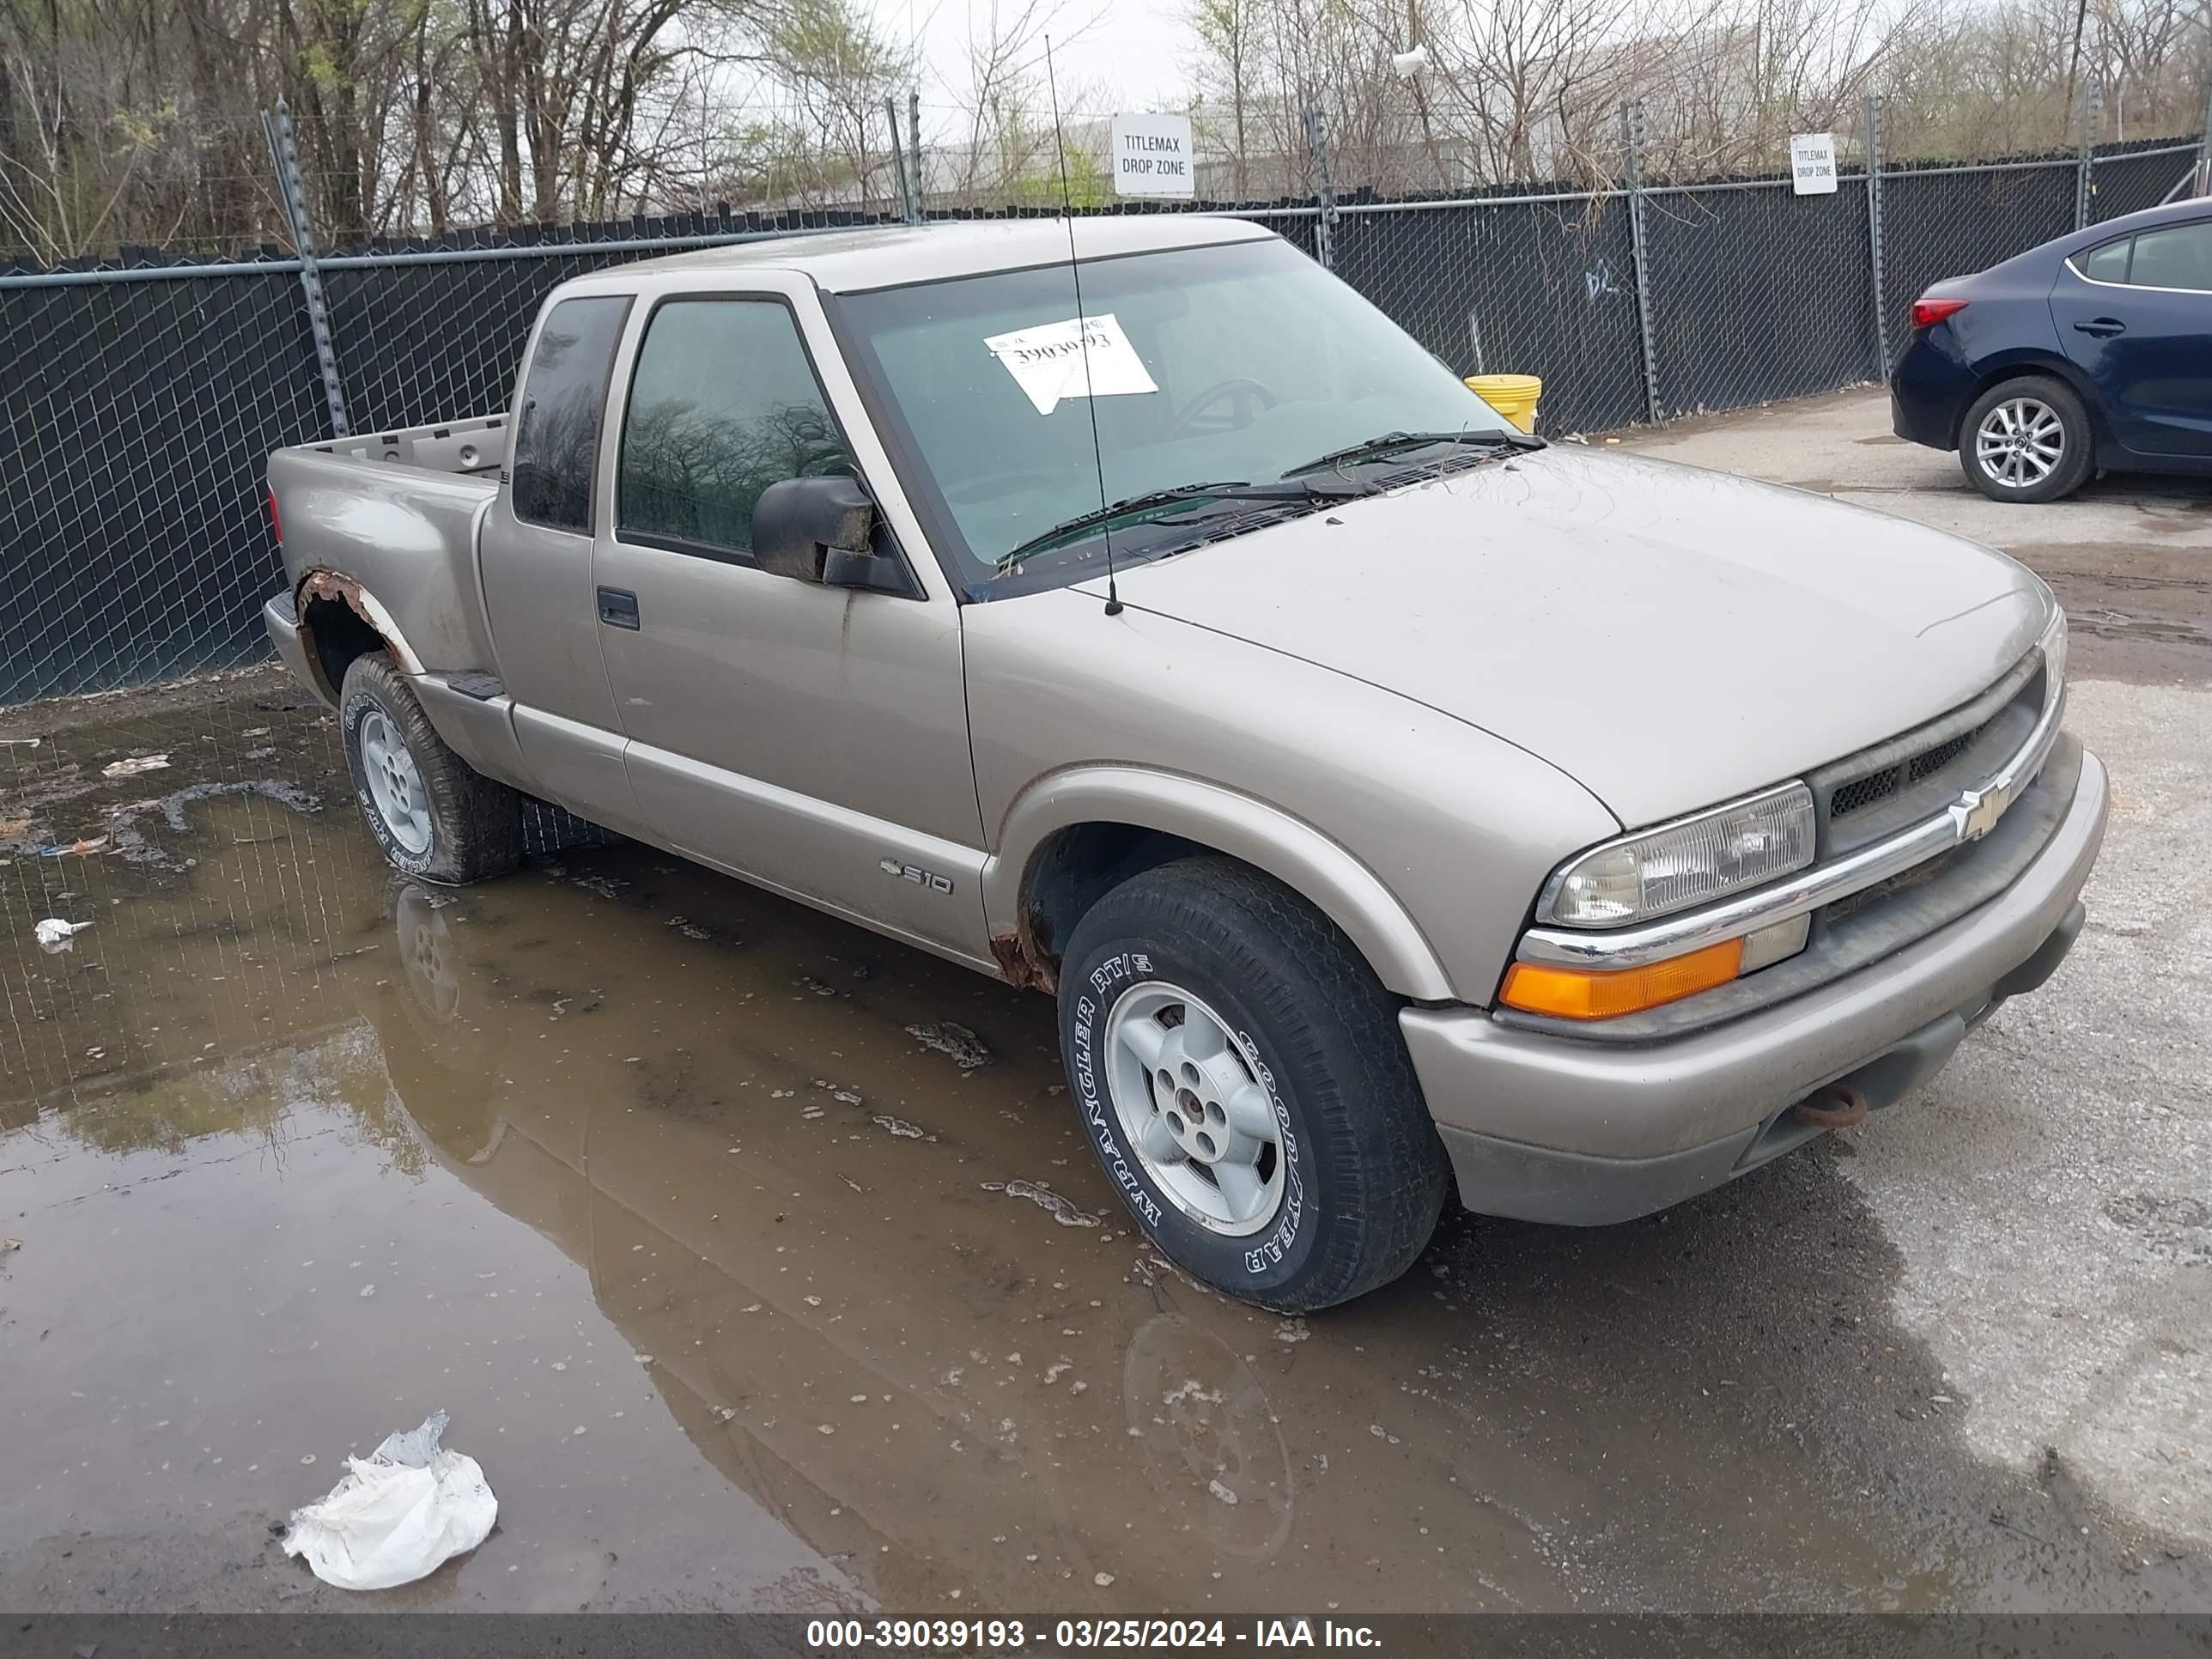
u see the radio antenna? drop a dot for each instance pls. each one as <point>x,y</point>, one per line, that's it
<point>1082,323</point>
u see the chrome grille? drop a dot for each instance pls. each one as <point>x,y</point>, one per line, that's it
<point>1914,776</point>
<point>1943,754</point>
<point>1865,792</point>
<point>1880,786</point>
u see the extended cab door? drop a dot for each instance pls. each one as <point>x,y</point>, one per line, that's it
<point>535,562</point>
<point>2135,315</point>
<point>811,739</point>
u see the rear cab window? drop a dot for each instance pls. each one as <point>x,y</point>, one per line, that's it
<point>723,402</point>
<point>564,398</point>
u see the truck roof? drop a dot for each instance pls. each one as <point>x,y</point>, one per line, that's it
<point>892,256</point>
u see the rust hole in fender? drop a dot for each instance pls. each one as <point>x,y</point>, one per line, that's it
<point>1026,957</point>
<point>329,585</point>
<point>351,632</point>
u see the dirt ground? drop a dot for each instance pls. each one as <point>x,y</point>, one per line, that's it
<point>760,1265</point>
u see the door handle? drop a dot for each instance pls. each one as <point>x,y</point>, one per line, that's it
<point>619,607</point>
<point>2103,327</point>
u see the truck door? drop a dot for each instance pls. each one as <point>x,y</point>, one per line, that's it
<point>2136,316</point>
<point>811,739</point>
<point>536,560</point>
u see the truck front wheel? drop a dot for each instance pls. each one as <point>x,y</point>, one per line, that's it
<point>1243,1081</point>
<point>436,816</point>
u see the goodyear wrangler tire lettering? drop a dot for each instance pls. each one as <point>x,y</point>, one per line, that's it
<point>1242,1082</point>
<point>1094,1116</point>
<point>1269,1251</point>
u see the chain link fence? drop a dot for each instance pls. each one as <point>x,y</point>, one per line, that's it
<point>137,405</point>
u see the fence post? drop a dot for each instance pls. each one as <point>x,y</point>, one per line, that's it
<point>292,195</point>
<point>1874,157</point>
<point>913,151</point>
<point>2201,184</point>
<point>1632,139</point>
<point>898,163</point>
<point>2085,155</point>
<point>1324,191</point>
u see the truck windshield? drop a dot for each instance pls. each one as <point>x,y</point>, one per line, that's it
<point>1236,362</point>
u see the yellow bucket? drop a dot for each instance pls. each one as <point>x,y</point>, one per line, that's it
<point>1513,396</point>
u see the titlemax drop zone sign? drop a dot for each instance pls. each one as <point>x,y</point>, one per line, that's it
<point>1153,156</point>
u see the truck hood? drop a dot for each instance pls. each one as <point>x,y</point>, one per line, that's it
<point>1667,635</point>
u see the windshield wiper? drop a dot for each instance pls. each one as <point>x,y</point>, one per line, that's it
<point>1376,448</point>
<point>1099,517</point>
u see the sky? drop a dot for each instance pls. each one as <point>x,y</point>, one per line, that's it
<point>1120,54</point>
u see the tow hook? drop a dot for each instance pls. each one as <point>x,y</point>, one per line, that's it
<point>1836,1107</point>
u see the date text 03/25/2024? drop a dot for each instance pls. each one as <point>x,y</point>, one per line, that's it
<point>1012,1635</point>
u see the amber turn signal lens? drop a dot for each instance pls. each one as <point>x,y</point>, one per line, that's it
<point>1580,993</point>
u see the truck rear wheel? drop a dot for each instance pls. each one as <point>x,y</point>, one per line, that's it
<point>433,814</point>
<point>1243,1081</point>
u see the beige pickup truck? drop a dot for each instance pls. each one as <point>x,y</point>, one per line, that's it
<point>1396,804</point>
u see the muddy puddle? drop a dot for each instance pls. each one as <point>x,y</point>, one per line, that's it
<point>760,1265</point>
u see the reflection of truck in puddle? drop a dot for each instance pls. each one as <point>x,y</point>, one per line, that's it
<point>771,1307</point>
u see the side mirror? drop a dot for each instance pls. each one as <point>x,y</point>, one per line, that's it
<point>799,524</point>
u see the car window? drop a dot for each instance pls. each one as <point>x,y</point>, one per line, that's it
<point>2179,256</point>
<point>2108,263</point>
<point>723,403</point>
<point>556,434</point>
<point>1235,361</point>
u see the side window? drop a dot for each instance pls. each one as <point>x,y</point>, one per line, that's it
<point>2108,263</point>
<point>722,405</point>
<point>2180,256</point>
<point>556,433</point>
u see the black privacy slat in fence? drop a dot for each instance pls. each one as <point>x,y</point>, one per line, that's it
<point>136,413</point>
<point>1515,287</point>
<point>135,419</point>
<point>1939,224</point>
<point>2129,184</point>
<point>1770,294</point>
<point>424,343</point>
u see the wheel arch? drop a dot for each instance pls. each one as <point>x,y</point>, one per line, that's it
<point>1071,836</point>
<point>340,620</point>
<point>2035,365</point>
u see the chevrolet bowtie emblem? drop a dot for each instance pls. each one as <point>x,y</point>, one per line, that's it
<point>1976,813</point>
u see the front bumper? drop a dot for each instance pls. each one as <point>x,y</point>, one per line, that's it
<point>1546,1128</point>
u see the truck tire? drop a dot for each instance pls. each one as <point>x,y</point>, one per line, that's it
<point>1241,1077</point>
<point>2027,440</point>
<point>437,817</point>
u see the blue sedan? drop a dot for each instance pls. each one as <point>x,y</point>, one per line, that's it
<point>2093,352</point>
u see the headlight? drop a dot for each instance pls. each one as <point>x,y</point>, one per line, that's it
<point>1690,861</point>
<point>2053,646</point>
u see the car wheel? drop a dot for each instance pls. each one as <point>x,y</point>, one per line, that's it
<point>1243,1081</point>
<point>436,816</point>
<point>2027,440</point>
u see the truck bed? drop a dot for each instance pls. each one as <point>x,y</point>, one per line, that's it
<point>396,514</point>
<point>473,446</point>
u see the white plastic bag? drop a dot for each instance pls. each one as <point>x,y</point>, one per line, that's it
<point>403,1511</point>
<point>54,934</point>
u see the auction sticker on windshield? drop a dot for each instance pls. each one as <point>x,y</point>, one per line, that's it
<point>1083,355</point>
